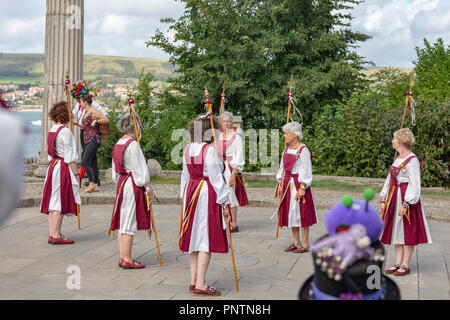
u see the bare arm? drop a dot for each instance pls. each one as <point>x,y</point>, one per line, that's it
<point>73,166</point>
<point>99,117</point>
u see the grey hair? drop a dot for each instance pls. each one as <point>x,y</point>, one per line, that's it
<point>126,124</point>
<point>294,128</point>
<point>226,114</point>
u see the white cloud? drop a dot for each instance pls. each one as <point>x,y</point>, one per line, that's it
<point>118,27</point>
<point>398,26</point>
<point>113,24</point>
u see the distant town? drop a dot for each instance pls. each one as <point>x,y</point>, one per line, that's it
<point>24,97</point>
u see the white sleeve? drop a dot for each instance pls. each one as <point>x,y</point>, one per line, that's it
<point>70,146</point>
<point>98,107</point>
<point>384,191</point>
<point>138,165</point>
<point>279,175</point>
<point>412,194</point>
<point>75,112</point>
<point>114,174</point>
<point>238,161</point>
<point>78,114</point>
<point>184,175</point>
<point>216,178</point>
<point>305,174</point>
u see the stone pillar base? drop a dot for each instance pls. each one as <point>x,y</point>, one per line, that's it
<point>41,170</point>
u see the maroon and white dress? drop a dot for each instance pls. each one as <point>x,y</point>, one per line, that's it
<point>232,152</point>
<point>61,186</point>
<point>130,172</point>
<point>403,185</point>
<point>203,190</point>
<point>297,166</point>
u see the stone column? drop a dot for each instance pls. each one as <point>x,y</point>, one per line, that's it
<point>64,28</point>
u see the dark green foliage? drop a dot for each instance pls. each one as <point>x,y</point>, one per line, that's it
<point>432,134</point>
<point>353,138</point>
<point>255,46</point>
<point>433,69</point>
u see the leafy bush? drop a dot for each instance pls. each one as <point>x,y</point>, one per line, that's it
<point>354,138</point>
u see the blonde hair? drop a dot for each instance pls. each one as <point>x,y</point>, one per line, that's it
<point>405,137</point>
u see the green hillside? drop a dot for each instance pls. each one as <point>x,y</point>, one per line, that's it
<point>24,68</point>
<point>29,68</point>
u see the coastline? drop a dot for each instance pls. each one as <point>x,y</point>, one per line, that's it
<point>25,110</point>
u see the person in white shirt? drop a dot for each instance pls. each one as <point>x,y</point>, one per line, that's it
<point>231,148</point>
<point>405,224</point>
<point>131,174</point>
<point>204,191</point>
<point>60,195</point>
<point>296,209</point>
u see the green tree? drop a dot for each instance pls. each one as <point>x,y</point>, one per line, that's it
<point>255,46</point>
<point>432,68</point>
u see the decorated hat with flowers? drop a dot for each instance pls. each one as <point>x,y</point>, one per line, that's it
<point>79,88</point>
<point>348,261</point>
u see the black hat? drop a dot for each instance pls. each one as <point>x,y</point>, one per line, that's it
<point>363,280</point>
<point>348,262</point>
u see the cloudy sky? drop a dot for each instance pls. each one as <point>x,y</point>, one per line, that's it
<point>120,28</point>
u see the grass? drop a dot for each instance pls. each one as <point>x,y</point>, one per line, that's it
<point>328,184</point>
<point>13,66</point>
<point>33,80</point>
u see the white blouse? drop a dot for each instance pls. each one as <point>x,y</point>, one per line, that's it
<point>65,144</point>
<point>133,161</point>
<point>212,168</point>
<point>412,176</point>
<point>302,167</point>
<point>236,151</point>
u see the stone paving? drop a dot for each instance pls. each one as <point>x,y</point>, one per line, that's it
<point>32,269</point>
<point>436,207</point>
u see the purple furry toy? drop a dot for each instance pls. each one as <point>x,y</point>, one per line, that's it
<point>349,212</point>
<point>353,225</point>
<point>343,249</point>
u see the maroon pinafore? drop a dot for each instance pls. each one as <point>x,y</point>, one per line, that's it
<point>217,236</point>
<point>414,229</point>
<point>307,210</point>
<point>68,204</point>
<point>143,218</point>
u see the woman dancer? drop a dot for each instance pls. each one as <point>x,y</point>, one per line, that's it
<point>230,146</point>
<point>203,189</point>
<point>62,181</point>
<point>130,172</point>
<point>405,224</point>
<point>294,178</point>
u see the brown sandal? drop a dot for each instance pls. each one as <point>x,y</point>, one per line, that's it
<point>209,291</point>
<point>301,249</point>
<point>292,247</point>
<point>191,288</point>
<point>392,269</point>
<point>402,273</point>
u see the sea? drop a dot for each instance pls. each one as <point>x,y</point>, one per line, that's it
<point>32,121</point>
